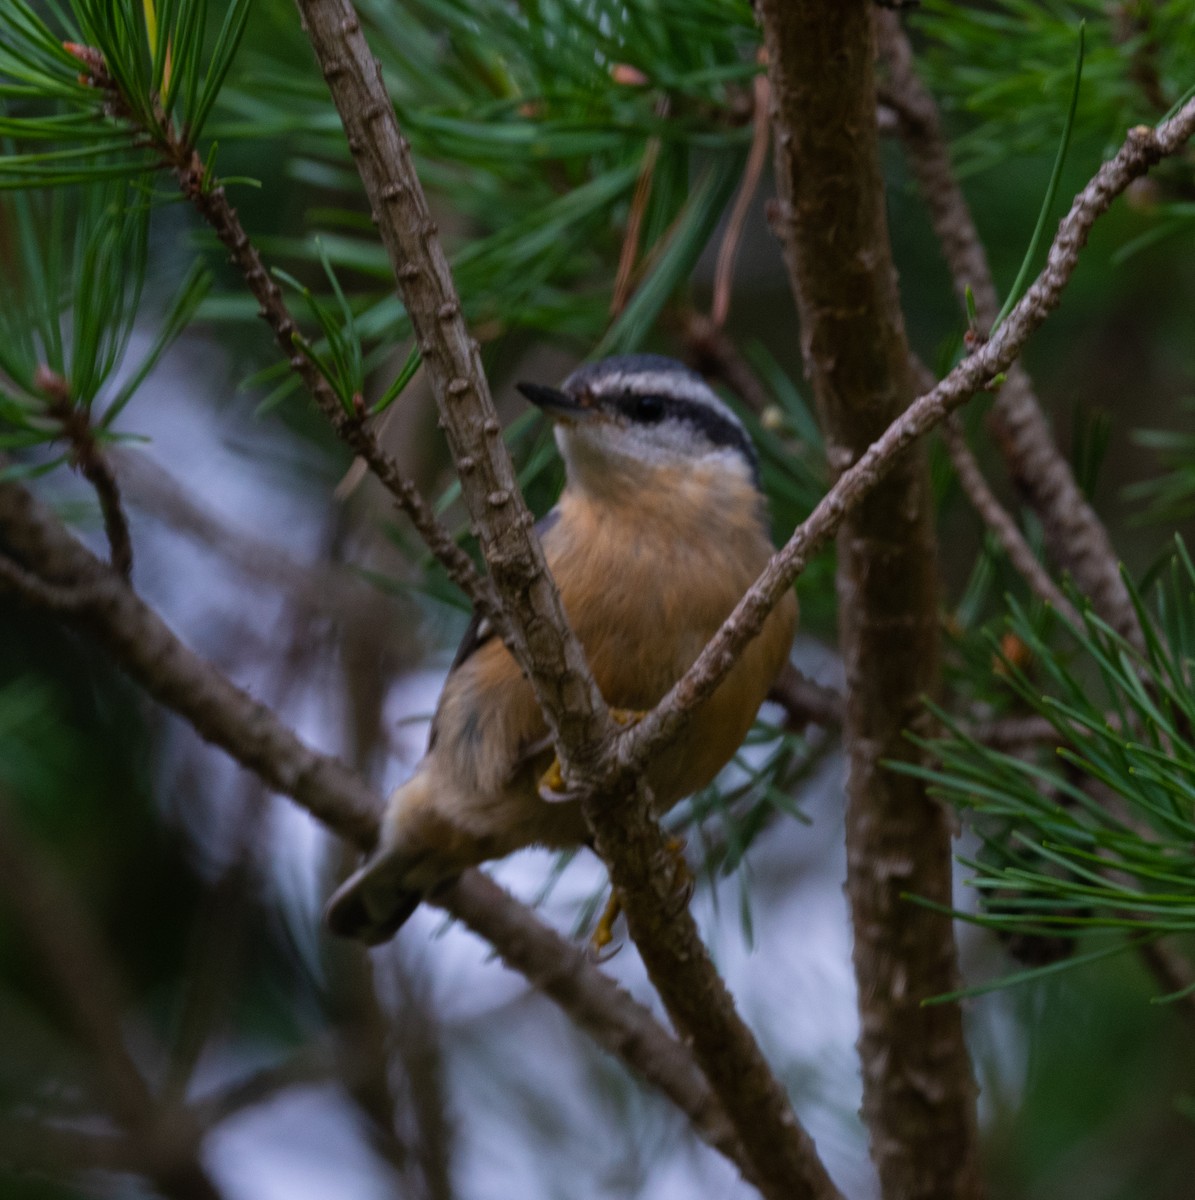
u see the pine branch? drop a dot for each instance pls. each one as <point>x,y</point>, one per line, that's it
<point>614,802</point>
<point>209,199</point>
<point>384,162</point>
<point>212,204</point>
<point>41,562</point>
<point>75,585</point>
<point>998,520</point>
<point>591,1000</point>
<point>1075,537</point>
<point>540,638</point>
<point>91,462</point>
<point>1143,148</point>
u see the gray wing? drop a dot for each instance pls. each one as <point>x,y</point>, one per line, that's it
<point>480,630</point>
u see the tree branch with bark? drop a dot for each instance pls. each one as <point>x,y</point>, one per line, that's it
<point>1075,536</point>
<point>918,1087</point>
<point>919,1093</point>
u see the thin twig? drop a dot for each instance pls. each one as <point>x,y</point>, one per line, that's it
<point>211,202</point>
<point>621,291</point>
<point>1142,149</point>
<point>90,461</point>
<point>998,520</point>
<point>806,702</point>
<point>757,157</point>
<point>711,351</point>
<point>1075,537</point>
<point>213,205</point>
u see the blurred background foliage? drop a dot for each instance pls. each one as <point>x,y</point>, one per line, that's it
<point>584,158</point>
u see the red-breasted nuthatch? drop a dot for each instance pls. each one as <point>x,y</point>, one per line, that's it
<point>660,529</point>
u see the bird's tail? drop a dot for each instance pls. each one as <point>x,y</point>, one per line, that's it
<point>372,904</point>
<point>418,852</point>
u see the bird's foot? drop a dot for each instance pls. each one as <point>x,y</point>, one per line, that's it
<point>552,786</point>
<point>682,889</point>
<point>603,933</point>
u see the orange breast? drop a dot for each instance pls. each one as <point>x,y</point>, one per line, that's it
<point>645,586</point>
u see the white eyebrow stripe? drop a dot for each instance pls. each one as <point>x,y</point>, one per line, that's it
<point>671,384</point>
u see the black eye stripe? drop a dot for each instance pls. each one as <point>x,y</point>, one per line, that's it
<point>716,428</point>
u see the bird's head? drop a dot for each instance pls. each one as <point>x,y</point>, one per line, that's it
<point>636,415</point>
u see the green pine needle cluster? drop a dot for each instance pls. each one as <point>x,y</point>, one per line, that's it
<point>1096,828</point>
<point>76,276</point>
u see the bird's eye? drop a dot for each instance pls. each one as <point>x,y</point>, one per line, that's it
<point>648,409</point>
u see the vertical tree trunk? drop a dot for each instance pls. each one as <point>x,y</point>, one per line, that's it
<point>919,1093</point>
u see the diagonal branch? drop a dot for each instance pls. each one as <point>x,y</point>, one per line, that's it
<point>1075,537</point>
<point>615,804</point>
<point>78,587</point>
<point>1001,524</point>
<point>551,658</point>
<point>1143,148</point>
<point>516,564</point>
<point>540,639</point>
<point>68,580</point>
<point>593,1001</point>
<point>211,202</point>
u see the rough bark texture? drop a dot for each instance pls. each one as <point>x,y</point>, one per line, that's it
<point>1076,539</point>
<point>918,1090</point>
<point>40,562</point>
<point>1143,147</point>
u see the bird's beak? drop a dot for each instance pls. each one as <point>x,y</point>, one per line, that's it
<point>558,405</point>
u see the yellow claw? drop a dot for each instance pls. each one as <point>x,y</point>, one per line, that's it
<point>682,884</point>
<point>552,786</point>
<point>603,933</point>
<point>551,783</point>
